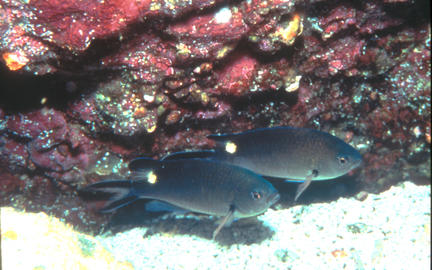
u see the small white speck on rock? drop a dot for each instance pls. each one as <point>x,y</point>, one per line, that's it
<point>223,15</point>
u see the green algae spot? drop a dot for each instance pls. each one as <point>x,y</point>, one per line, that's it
<point>357,228</point>
<point>87,245</point>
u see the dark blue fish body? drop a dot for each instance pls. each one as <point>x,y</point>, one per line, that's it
<point>291,153</point>
<point>197,185</point>
<point>284,152</point>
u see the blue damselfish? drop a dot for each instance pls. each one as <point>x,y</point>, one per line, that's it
<point>290,153</point>
<point>197,185</point>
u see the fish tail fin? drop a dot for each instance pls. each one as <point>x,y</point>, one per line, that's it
<point>189,154</point>
<point>123,192</point>
<point>144,164</point>
<point>120,192</point>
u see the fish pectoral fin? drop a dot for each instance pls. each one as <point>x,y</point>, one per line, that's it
<point>226,220</point>
<point>302,187</point>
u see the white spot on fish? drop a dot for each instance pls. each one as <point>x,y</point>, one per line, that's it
<point>152,177</point>
<point>230,147</point>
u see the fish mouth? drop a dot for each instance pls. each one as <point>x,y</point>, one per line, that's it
<point>273,199</point>
<point>358,162</point>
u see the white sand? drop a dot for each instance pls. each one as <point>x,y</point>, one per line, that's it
<point>386,231</point>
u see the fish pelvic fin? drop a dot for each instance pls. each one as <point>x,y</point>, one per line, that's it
<point>203,154</point>
<point>121,193</point>
<point>226,220</point>
<point>303,186</point>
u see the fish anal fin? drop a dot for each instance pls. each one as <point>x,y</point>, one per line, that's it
<point>225,221</point>
<point>160,206</point>
<point>118,202</point>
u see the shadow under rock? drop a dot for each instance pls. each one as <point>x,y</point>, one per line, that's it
<point>244,231</point>
<point>318,191</point>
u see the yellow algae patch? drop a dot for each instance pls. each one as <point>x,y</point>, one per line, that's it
<point>48,243</point>
<point>15,60</point>
<point>224,51</point>
<point>155,6</point>
<point>292,83</point>
<point>151,128</point>
<point>183,49</point>
<point>10,234</point>
<point>289,33</point>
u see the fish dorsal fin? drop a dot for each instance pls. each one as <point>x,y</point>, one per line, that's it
<point>189,154</point>
<point>226,220</point>
<point>220,137</point>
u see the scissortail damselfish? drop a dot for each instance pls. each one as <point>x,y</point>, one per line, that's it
<point>198,185</point>
<point>295,154</point>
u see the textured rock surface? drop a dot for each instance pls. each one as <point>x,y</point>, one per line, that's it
<point>87,87</point>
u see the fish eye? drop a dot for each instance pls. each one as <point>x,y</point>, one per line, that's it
<point>342,160</point>
<point>256,195</point>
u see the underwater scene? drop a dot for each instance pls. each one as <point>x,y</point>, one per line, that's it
<point>215,134</point>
